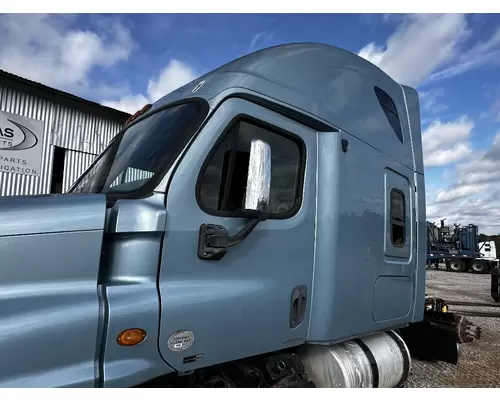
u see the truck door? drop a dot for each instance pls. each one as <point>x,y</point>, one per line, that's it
<point>256,298</point>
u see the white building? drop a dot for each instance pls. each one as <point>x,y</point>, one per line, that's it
<point>48,137</point>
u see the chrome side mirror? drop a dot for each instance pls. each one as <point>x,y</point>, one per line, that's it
<point>214,240</point>
<point>258,190</point>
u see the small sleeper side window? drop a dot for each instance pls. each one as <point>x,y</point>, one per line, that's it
<point>390,111</point>
<point>398,219</point>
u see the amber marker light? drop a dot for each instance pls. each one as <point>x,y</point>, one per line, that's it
<point>131,337</point>
<point>142,111</point>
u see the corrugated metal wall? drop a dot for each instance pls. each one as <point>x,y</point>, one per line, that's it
<point>64,127</point>
<point>131,175</point>
<point>75,164</point>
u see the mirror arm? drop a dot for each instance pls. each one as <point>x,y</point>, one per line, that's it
<point>214,240</point>
<point>243,233</point>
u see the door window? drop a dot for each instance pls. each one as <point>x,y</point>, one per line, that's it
<point>222,182</point>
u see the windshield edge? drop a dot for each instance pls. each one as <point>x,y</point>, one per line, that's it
<point>149,187</point>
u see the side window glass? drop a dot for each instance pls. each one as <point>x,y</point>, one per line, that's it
<point>223,184</point>
<point>390,112</point>
<point>215,178</point>
<point>397,218</point>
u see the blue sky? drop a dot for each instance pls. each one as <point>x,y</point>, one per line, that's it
<point>453,60</point>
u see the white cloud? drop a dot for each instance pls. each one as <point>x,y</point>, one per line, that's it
<point>259,40</point>
<point>173,76</point>
<point>446,143</point>
<point>482,53</point>
<point>468,192</point>
<point>441,158</point>
<point>420,45</point>
<point>457,193</point>
<point>430,47</point>
<point>129,103</point>
<point>474,195</point>
<point>50,50</point>
<point>429,102</point>
<point>480,211</point>
<point>495,110</point>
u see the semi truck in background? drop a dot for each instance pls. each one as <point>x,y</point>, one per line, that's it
<point>488,250</point>
<point>459,249</point>
<point>262,226</point>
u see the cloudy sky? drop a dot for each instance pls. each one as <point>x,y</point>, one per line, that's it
<point>453,60</point>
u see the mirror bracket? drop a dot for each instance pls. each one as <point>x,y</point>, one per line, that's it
<point>214,240</point>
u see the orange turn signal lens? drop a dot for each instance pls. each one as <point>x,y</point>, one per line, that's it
<point>131,337</point>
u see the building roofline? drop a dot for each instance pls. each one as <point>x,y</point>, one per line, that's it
<point>38,89</point>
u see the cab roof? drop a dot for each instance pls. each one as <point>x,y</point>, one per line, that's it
<point>332,85</point>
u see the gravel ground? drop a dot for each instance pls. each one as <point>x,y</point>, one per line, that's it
<point>479,363</point>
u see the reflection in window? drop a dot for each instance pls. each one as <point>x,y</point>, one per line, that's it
<point>223,185</point>
<point>143,150</point>
<point>390,112</point>
<point>397,218</point>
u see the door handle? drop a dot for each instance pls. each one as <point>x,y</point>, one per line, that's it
<point>298,305</point>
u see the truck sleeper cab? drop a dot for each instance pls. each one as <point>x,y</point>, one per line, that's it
<point>271,210</point>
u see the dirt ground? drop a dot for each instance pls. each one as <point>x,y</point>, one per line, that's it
<point>479,364</point>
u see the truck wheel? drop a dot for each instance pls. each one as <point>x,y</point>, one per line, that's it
<point>479,267</point>
<point>457,266</point>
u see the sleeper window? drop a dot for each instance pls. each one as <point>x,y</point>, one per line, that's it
<point>390,112</point>
<point>223,183</point>
<point>397,218</point>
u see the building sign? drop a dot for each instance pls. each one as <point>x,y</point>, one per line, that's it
<point>21,144</point>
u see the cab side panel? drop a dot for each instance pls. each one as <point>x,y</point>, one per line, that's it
<point>362,282</point>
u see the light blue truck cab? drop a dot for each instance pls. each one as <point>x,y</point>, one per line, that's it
<point>267,218</point>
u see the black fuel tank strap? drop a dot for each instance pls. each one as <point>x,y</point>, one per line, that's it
<point>371,359</point>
